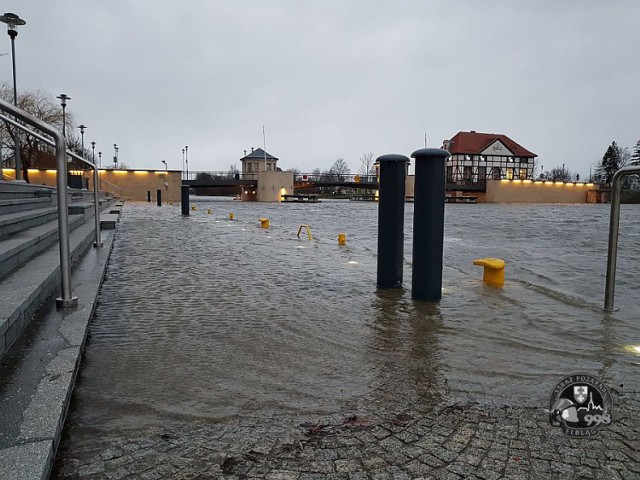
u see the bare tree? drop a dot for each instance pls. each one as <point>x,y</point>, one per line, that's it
<point>340,168</point>
<point>43,106</point>
<point>366,164</point>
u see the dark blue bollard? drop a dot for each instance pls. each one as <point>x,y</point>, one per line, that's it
<point>148,195</point>
<point>159,197</point>
<point>393,171</point>
<point>184,199</point>
<point>428,224</point>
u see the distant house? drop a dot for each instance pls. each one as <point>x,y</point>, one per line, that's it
<point>478,156</point>
<point>258,161</point>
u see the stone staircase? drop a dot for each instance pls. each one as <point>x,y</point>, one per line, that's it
<point>29,251</point>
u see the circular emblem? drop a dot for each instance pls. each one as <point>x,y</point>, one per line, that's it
<point>581,405</point>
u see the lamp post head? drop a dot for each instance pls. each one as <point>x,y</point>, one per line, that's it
<point>12,20</point>
<point>93,144</point>
<point>63,99</point>
<point>82,127</point>
<point>186,147</point>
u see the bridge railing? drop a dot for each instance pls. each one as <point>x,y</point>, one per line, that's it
<point>218,175</point>
<point>334,178</point>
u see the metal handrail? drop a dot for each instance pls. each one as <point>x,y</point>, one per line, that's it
<point>98,241</point>
<point>614,226</point>
<point>66,299</point>
<point>112,184</point>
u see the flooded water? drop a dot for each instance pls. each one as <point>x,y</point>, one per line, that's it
<point>206,318</point>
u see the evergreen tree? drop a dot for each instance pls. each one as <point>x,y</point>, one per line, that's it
<point>611,162</point>
<point>635,158</point>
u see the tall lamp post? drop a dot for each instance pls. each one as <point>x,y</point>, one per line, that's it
<point>186,158</point>
<point>82,127</point>
<point>165,164</point>
<point>12,20</point>
<point>93,152</point>
<point>183,162</point>
<point>115,155</point>
<point>63,101</point>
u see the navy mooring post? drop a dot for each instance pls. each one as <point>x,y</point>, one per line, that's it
<point>159,197</point>
<point>428,224</point>
<point>393,171</point>
<point>148,195</point>
<point>184,199</point>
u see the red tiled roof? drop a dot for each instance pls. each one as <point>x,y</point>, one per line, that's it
<point>473,143</point>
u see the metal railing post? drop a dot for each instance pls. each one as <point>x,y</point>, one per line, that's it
<point>614,226</point>
<point>96,198</point>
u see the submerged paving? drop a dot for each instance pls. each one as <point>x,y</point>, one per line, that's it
<point>446,441</point>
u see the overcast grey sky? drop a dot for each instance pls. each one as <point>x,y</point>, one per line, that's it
<point>334,79</point>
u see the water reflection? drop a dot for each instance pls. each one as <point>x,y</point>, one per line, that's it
<point>406,337</point>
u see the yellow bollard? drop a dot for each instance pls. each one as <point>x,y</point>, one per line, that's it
<point>264,222</point>
<point>231,216</point>
<point>308,231</point>
<point>342,239</point>
<point>493,274</point>
<point>170,203</point>
<point>193,208</point>
<point>209,211</point>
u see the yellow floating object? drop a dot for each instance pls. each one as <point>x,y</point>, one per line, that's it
<point>209,211</point>
<point>264,222</point>
<point>193,208</point>
<point>308,231</point>
<point>170,203</point>
<point>231,216</point>
<point>493,271</point>
<point>342,239</point>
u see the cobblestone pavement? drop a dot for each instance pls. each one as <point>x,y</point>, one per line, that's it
<point>446,441</point>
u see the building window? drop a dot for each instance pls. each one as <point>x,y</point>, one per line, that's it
<point>249,167</point>
<point>510,173</point>
<point>495,173</point>
<point>449,174</point>
<point>523,173</point>
<point>468,173</point>
<point>482,173</point>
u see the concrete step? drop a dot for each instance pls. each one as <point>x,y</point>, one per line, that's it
<point>20,247</point>
<point>108,220</point>
<point>24,290</point>
<point>18,221</point>
<point>10,190</point>
<point>12,205</point>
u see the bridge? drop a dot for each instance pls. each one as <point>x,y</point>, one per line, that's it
<point>300,180</point>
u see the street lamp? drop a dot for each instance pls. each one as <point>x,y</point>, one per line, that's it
<point>183,162</point>
<point>93,152</point>
<point>165,164</point>
<point>186,158</point>
<point>63,101</point>
<point>115,155</point>
<point>82,127</point>
<point>99,159</point>
<point>12,20</point>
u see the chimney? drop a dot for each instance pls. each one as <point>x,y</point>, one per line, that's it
<point>245,153</point>
<point>473,131</point>
<point>251,149</point>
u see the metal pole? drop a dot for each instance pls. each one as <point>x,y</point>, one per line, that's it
<point>159,197</point>
<point>184,200</point>
<point>149,196</point>
<point>16,140</point>
<point>186,153</point>
<point>96,199</point>
<point>614,226</point>
<point>428,224</point>
<point>393,170</point>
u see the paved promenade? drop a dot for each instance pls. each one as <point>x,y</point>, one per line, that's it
<point>442,441</point>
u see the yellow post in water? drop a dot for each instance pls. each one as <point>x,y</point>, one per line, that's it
<point>209,211</point>
<point>264,222</point>
<point>493,271</point>
<point>308,231</point>
<point>342,239</point>
<point>193,208</point>
<point>231,216</point>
